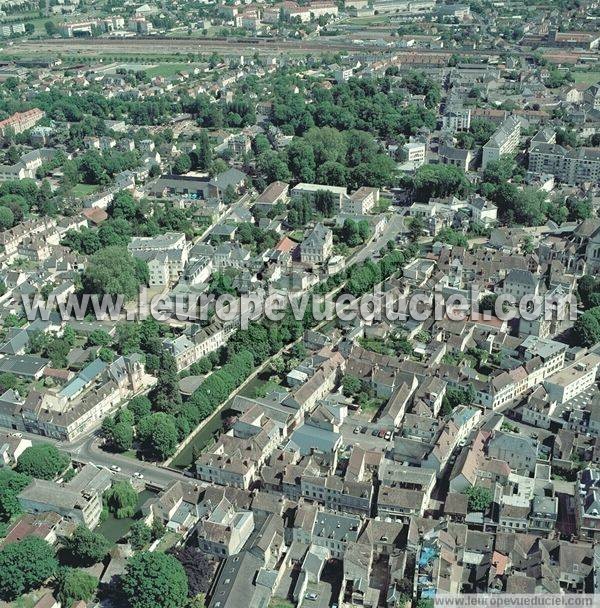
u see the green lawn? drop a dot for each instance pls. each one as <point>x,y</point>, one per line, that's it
<point>371,406</point>
<point>587,77</point>
<point>170,539</point>
<point>169,69</point>
<point>277,602</point>
<point>83,190</point>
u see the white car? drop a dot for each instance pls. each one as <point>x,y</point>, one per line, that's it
<point>138,475</point>
<point>115,468</point>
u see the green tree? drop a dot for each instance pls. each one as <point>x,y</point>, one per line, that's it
<point>73,585</point>
<point>351,385</point>
<point>114,271</point>
<point>57,351</point>
<point>50,28</point>
<point>87,547</point>
<point>438,181</point>
<point>8,381</point>
<point>166,396</point>
<point>480,498</point>
<point>7,218</point>
<point>122,500</point>
<point>416,228</point>
<point>107,428</point>
<point>43,461</point>
<point>122,436</point>
<point>140,406</point>
<point>325,203</point>
<point>587,286</point>
<point>158,529</point>
<point>140,535</point>
<point>13,481</point>
<point>182,164</point>
<point>202,156</point>
<point>158,434</point>
<point>24,566</point>
<point>154,580</point>
<point>457,396</point>
<point>198,601</point>
<point>125,415</point>
<point>99,338</point>
<point>452,237</point>
<point>9,504</point>
<point>587,327</point>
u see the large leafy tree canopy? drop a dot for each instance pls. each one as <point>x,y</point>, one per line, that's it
<point>154,580</point>
<point>24,566</point>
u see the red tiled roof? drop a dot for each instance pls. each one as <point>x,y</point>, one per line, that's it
<point>286,245</point>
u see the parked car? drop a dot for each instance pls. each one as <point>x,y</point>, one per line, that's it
<point>364,430</point>
<point>356,430</point>
<point>374,432</point>
<point>311,596</point>
<point>115,468</point>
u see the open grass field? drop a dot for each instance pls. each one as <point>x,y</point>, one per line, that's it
<point>83,190</point>
<point>587,77</point>
<point>169,69</point>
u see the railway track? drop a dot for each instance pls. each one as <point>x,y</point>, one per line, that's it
<point>149,45</point>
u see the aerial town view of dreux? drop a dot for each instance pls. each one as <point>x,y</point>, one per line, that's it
<point>299,303</point>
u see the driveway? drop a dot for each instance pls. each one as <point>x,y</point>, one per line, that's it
<point>394,227</point>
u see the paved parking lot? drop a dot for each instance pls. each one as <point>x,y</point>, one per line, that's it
<point>323,592</point>
<point>364,440</point>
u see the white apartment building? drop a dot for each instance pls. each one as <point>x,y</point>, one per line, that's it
<point>572,166</point>
<point>414,152</point>
<point>166,255</point>
<point>457,119</point>
<point>310,190</point>
<point>504,141</point>
<point>360,202</point>
<point>574,379</point>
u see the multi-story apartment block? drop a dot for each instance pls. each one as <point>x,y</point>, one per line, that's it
<point>310,190</point>
<point>414,152</point>
<point>21,121</point>
<point>504,141</point>
<point>338,495</point>
<point>574,379</point>
<point>456,118</point>
<point>360,202</point>
<point>571,166</point>
<point>78,500</point>
<point>27,165</point>
<point>166,256</point>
